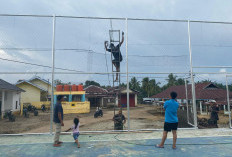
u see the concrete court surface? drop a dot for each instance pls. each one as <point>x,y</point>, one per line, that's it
<point>202,142</point>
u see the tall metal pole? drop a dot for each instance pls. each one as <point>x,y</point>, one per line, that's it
<point>186,92</point>
<point>127,79</point>
<point>53,67</point>
<point>192,79</point>
<point>228,100</point>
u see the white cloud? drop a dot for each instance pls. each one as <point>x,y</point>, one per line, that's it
<point>159,9</point>
<point>222,70</point>
<point>5,55</point>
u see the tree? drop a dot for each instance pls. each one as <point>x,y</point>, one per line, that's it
<point>145,87</point>
<point>180,81</point>
<point>88,83</point>
<point>123,85</point>
<point>150,87</point>
<point>171,80</point>
<point>58,82</point>
<point>154,87</point>
<point>134,84</point>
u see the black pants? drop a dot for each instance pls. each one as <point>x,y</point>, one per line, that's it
<point>118,126</point>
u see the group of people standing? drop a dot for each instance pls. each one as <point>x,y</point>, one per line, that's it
<point>119,120</point>
<point>58,121</point>
<point>171,121</point>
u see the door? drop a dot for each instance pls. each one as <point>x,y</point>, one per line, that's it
<point>132,100</point>
<point>124,100</point>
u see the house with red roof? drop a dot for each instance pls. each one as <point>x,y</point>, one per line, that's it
<point>96,96</point>
<point>100,97</point>
<point>133,96</point>
<point>204,92</point>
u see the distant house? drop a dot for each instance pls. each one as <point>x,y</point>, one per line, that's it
<point>97,96</point>
<point>204,92</point>
<point>133,96</point>
<point>36,90</point>
<point>9,97</point>
<point>107,97</point>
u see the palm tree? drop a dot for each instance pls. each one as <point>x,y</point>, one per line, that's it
<point>134,84</point>
<point>145,86</point>
<point>171,80</point>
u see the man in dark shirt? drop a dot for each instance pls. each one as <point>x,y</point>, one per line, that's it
<point>214,114</point>
<point>58,120</point>
<point>116,53</point>
<point>119,119</point>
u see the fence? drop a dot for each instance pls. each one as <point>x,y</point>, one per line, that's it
<point>71,49</point>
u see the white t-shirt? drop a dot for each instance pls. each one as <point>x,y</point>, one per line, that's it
<point>77,129</point>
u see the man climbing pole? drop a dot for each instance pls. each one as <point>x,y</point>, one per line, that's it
<point>115,50</point>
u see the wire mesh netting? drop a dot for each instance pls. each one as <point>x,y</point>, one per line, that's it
<point>25,47</point>
<point>86,63</point>
<point>211,101</point>
<point>161,47</point>
<point>211,46</point>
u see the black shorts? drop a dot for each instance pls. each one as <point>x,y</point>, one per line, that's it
<point>116,63</point>
<point>170,126</point>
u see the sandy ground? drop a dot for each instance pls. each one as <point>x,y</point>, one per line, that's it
<point>141,117</point>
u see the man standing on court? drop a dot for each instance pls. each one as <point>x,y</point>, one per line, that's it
<point>119,120</point>
<point>58,120</point>
<point>171,120</point>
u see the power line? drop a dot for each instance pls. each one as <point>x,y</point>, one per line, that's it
<point>45,66</point>
<point>85,50</point>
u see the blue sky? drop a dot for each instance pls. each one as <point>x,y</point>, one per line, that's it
<point>152,46</point>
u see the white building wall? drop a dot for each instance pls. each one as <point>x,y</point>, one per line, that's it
<point>16,101</point>
<point>8,100</point>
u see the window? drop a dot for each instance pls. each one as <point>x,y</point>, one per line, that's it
<point>16,105</point>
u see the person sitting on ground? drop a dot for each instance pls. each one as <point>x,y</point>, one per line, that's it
<point>119,120</point>
<point>75,129</point>
<point>171,120</point>
<point>58,120</point>
<point>116,53</point>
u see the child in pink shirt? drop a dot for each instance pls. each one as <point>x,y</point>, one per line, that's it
<point>75,129</point>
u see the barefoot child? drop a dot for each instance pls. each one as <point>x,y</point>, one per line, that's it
<point>75,129</point>
<point>171,120</point>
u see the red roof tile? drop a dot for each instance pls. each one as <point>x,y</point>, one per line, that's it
<point>95,90</point>
<point>203,91</point>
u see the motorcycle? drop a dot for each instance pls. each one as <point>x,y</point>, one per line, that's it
<point>98,113</point>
